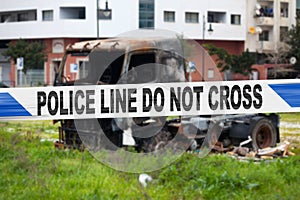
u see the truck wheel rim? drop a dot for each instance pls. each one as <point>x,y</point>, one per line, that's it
<point>263,137</point>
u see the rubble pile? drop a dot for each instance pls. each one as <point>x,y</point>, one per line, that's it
<point>269,153</point>
<point>246,154</point>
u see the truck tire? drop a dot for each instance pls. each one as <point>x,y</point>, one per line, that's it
<point>156,142</point>
<point>263,134</point>
<point>163,140</point>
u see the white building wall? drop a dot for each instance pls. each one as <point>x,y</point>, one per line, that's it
<point>125,17</point>
<point>224,31</point>
<point>49,29</point>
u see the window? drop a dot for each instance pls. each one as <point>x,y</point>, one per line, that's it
<point>283,33</point>
<point>144,74</point>
<point>111,74</point>
<point>22,17</point>
<point>5,18</point>
<point>47,15</point>
<point>169,16</point>
<point>18,16</point>
<point>72,12</point>
<point>146,14</point>
<point>236,19</point>
<point>83,69</point>
<point>216,17</point>
<point>210,73</point>
<point>191,17</point>
<point>264,36</point>
<point>284,9</point>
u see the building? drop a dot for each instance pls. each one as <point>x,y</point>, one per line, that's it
<point>270,20</point>
<point>61,22</point>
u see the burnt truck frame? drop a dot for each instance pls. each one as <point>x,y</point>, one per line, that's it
<point>262,128</point>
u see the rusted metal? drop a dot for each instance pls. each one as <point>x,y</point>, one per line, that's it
<point>122,44</point>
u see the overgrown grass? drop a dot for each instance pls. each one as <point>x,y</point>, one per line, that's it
<point>290,117</point>
<point>31,169</point>
<point>290,131</point>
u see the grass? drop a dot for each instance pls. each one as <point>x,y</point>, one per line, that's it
<point>290,132</point>
<point>31,169</point>
<point>290,117</point>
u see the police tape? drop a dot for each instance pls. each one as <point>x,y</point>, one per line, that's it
<point>150,99</point>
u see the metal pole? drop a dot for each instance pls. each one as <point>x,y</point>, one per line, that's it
<point>21,77</point>
<point>203,51</point>
<point>97,18</point>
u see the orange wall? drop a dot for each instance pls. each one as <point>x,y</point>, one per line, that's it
<point>54,56</point>
<point>232,47</point>
<point>50,56</point>
<point>12,73</point>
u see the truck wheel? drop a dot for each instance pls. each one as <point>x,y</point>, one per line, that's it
<point>263,134</point>
<point>164,138</point>
<point>156,142</point>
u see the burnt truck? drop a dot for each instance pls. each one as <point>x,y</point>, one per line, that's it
<point>118,61</point>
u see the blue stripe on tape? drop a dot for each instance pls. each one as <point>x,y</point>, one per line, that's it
<point>10,107</point>
<point>290,93</point>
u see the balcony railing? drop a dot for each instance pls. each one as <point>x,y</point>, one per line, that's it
<point>264,21</point>
<point>284,21</point>
<point>265,46</point>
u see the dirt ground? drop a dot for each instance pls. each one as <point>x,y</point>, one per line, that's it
<point>290,131</point>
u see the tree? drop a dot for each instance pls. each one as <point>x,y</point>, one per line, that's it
<point>293,40</point>
<point>240,64</point>
<point>33,53</point>
<point>279,57</point>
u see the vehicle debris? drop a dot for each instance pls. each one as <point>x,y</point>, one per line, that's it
<point>281,149</point>
<point>246,141</point>
<point>268,153</point>
<point>246,154</point>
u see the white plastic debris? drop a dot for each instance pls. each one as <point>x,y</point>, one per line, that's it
<point>48,139</point>
<point>246,141</point>
<point>127,137</point>
<point>144,178</point>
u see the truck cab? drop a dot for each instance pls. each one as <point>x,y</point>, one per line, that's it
<point>119,61</point>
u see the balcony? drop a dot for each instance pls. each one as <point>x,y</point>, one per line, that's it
<point>265,46</point>
<point>264,21</point>
<point>284,21</point>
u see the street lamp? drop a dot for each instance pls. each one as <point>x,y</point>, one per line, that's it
<point>210,30</point>
<point>102,14</point>
<point>106,11</point>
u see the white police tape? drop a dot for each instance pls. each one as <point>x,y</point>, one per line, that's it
<point>150,99</point>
